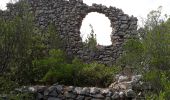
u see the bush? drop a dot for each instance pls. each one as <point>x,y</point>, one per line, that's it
<point>56,69</point>
<point>22,96</point>
<point>133,54</point>
<point>6,85</point>
<point>48,65</point>
<point>160,85</point>
<point>95,74</point>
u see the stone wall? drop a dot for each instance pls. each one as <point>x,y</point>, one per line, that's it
<point>125,87</point>
<point>68,16</point>
<point>61,92</point>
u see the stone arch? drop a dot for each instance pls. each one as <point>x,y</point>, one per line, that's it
<point>68,17</point>
<point>111,13</point>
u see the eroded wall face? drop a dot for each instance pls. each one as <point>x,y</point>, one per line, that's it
<point>68,16</point>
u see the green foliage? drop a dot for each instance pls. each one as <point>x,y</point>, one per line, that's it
<point>153,50</point>
<point>51,38</point>
<point>157,58</point>
<point>150,55</point>
<point>6,84</point>
<point>15,45</point>
<point>133,53</point>
<point>95,74</point>
<point>91,41</point>
<point>153,19</point>
<point>55,69</point>
<point>44,66</point>
<point>22,96</point>
<point>21,43</point>
<point>160,84</point>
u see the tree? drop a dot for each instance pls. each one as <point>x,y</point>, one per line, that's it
<point>151,49</point>
<point>91,41</point>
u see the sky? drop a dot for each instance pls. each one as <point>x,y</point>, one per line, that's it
<point>101,24</point>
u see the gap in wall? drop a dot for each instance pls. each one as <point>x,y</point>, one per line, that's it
<point>101,26</point>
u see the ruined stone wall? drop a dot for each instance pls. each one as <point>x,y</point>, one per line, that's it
<point>61,92</point>
<point>125,87</point>
<point>68,16</point>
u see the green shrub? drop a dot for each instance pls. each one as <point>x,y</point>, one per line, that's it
<point>22,96</point>
<point>6,84</point>
<point>60,71</point>
<point>133,54</point>
<point>160,85</point>
<point>154,78</point>
<point>95,74</point>
<point>48,65</point>
<point>56,69</point>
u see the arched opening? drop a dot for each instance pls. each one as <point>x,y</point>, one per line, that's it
<point>101,26</point>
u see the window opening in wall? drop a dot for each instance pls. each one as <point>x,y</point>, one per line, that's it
<point>99,25</point>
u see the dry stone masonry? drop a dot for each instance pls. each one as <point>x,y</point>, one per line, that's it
<point>61,92</point>
<point>67,16</point>
<point>124,88</point>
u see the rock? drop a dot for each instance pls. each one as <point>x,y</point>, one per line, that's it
<point>80,97</point>
<point>108,98</point>
<point>52,88</point>
<point>112,85</point>
<point>85,91</point>
<point>109,94</point>
<point>39,96</point>
<point>124,18</point>
<point>95,99</point>
<point>78,90</point>
<point>124,26</point>
<point>40,88</point>
<point>59,89</point>
<point>136,78</point>
<point>70,89</point>
<point>121,94</point>
<point>46,92</point>
<point>98,96</point>
<point>53,93</point>
<point>60,96</point>
<point>52,98</point>
<point>70,95</point>
<point>105,91</point>
<point>125,85</point>
<point>122,78</point>
<point>32,89</point>
<point>94,90</point>
<point>115,96</point>
<point>130,93</point>
<point>88,98</point>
